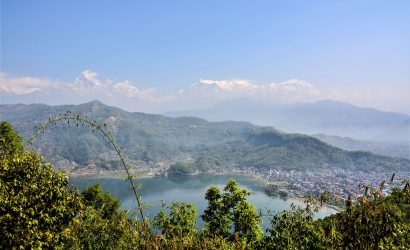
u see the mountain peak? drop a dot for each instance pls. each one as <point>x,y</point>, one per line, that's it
<point>295,84</point>
<point>96,102</point>
<point>228,86</point>
<point>94,105</point>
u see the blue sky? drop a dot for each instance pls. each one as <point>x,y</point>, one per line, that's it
<point>353,51</point>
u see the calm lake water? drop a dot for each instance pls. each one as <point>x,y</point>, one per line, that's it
<point>190,189</point>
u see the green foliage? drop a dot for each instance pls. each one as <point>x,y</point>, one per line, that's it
<point>246,221</point>
<point>272,189</point>
<point>11,143</point>
<point>217,219</point>
<point>150,139</point>
<point>100,225</point>
<point>294,229</point>
<point>36,205</point>
<point>105,203</point>
<point>180,168</point>
<point>39,210</point>
<point>207,163</point>
<point>99,129</point>
<point>181,220</point>
<point>324,197</point>
<point>93,231</point>
<point>375,221</point>
<point>231,209</point>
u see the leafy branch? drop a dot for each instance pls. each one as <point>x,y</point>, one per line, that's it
<point>100,129</point>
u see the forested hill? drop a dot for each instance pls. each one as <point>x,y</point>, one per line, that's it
<point>154,139</point>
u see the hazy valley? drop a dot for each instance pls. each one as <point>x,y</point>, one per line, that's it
<point>152,140</point>
<point>157,145</point>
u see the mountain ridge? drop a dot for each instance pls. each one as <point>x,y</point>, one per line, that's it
<point>151,140</point>
<point>326,117</point>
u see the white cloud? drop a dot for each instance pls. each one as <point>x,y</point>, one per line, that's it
<point>23,85</point>
<point>230,86</point>
<point>91,76</point>
<point>293,90</point>
<point>85,84</point>
<point>85,87</point>
<point>129,90</point>
<point>125,94</point>
<point>86,80</point>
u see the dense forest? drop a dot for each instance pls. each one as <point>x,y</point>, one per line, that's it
<point>150,140</point>
<point>39,209</point>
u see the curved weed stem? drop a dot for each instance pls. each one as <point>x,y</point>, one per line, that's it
<point>98,128</point>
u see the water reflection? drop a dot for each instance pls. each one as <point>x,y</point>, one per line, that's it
<point>190,189</point>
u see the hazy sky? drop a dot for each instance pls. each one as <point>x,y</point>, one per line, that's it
<point>161,55</point>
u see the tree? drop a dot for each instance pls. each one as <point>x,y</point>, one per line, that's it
<point>374,221</point>
<point>90,230</point>
<point>11,143</point>
<point>231,209</point>
<point>180,168</point>
<point>105,203</point>
<point>181,221</point>
<point>324,197</point>
<point>217,219</point>
<point>36,205</point>
<point>246,221</point>
<point>368,223</point>
<point>294,229</point>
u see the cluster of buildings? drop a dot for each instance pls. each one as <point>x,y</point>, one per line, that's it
<point>340,183</point>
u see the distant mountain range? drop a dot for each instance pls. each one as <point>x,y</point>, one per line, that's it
<point>323,117</point>
<point>388,148</point>
<point>150,140</point>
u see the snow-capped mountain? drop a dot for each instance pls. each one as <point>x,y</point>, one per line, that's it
<point>291,90</point>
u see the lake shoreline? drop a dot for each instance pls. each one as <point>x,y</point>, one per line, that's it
<point>148,175</point>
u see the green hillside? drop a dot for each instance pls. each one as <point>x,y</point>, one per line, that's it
<point>154,139</point>
<point>40,210</point>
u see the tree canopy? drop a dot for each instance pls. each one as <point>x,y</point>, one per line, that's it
<point>231,212</point>
<point>11,143</point>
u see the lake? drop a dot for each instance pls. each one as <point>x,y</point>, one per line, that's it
<point>190,189</point>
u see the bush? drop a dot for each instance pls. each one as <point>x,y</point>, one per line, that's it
<point>36,205</point>
<point>181,220</point>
